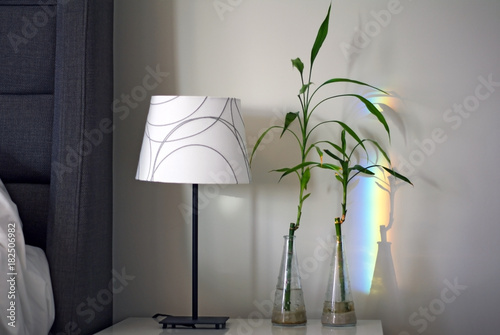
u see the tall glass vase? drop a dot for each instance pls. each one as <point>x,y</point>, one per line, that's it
<point>338,309</point>
<point>289,308</point>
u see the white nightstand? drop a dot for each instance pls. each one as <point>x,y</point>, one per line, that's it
<point>148,326</point>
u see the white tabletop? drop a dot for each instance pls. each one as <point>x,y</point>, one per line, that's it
<point>148,326</point>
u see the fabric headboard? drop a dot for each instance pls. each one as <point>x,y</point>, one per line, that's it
<point>56,145</point>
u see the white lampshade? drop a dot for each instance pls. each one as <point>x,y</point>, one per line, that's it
<point>194,140</point>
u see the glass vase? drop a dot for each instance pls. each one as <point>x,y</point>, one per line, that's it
<point>338,309</point>
<point>289,308</point>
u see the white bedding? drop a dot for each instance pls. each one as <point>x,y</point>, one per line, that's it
<point>26,300</point>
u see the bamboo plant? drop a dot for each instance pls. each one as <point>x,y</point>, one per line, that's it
<point>344,167</point>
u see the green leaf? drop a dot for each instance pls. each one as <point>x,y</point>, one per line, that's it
<point>305,178</point>
<point>346,80</point>
<point>342,140</point>
<point>306,196</point>
<point>297,63</point>
<point>260,140</point>
<point>372,109</point>
<point>304,88</point>
<point>339,178</point>
<point>368,104</point>
<point>331,154</point>
<point>290,117</point>
<point>351,132</point>
<point>320,37</point>
<point>339,149</point>
<point>287,171</point>
<point>328,166</point>
<point>362,169</point>
<point>320,153</point>
<point>397,175</point>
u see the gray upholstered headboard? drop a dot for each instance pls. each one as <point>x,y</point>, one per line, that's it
<point>56,146</point>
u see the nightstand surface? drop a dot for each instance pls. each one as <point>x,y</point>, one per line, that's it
<point>148,326</point>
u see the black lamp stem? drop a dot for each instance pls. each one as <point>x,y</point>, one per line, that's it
<point>194,320</point>
<point>195,253</point>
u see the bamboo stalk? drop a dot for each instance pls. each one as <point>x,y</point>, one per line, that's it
<point>288,274</point>
<point>340,256</point>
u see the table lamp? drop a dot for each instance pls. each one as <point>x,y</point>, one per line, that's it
<point>194,140</point>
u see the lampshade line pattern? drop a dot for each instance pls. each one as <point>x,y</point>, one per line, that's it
<point>179,129</point>
<point>193,145</point>
<point>170,123</point>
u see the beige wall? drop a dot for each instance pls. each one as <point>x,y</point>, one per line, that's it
<point>437,56</point>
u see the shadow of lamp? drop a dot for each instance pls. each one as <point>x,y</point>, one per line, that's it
<point>194,140</point>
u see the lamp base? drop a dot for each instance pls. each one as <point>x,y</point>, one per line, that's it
<point>219,322</point>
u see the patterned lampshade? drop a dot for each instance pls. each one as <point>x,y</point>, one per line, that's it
<point>194,140</point>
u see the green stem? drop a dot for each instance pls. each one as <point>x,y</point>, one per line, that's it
<point>338,228</point>
<point>288,274</point>
<point>304,101</point>
<point>340,256</point>
<point>295,226</point>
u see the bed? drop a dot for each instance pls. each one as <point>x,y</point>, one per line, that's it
<point>56,147</point>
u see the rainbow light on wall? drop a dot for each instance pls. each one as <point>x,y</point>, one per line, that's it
<point>373,214</point>
<point>373,196</point>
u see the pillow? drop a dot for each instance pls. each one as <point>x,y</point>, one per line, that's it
<point>26,299</point>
